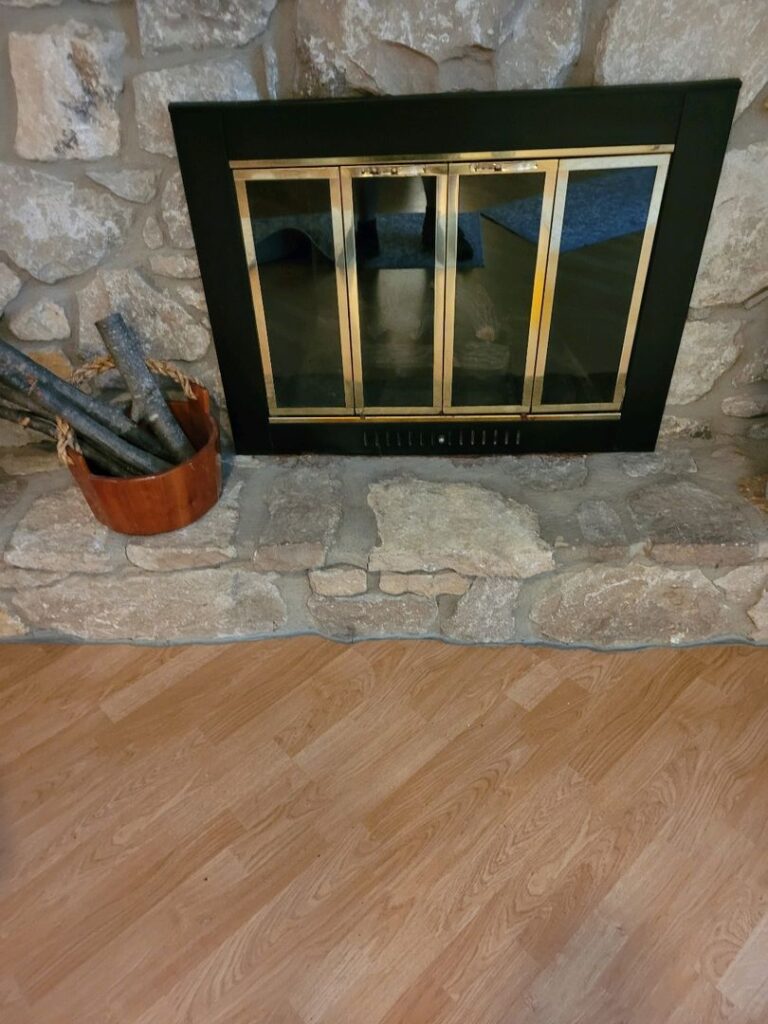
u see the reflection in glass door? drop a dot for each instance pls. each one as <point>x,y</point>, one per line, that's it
<point>293,234</point>
<point>499,217</point>
<point>395,245</point>
<point>603,226</point>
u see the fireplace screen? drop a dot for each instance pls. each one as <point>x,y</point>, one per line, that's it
<point>459,287</point>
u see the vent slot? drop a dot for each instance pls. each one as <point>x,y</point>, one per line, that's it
<point>389,440</point>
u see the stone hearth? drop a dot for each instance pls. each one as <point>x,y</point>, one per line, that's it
<point>603,550</point>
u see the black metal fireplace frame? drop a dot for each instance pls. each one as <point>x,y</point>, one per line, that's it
<point>694,117</point>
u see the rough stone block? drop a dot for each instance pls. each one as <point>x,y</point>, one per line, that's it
<point>426,527</point>
<point>43,321</point>
<point>707,350</point>
<point>197,24</point>
<point>137,186</point>
<point>486,613</point>
<point>338,581</point>
<point>165,607</point>
<point>67,81</point>
<point>304,515</point>
<point>75,227</point>
<point>373,615</point>
<point>175,213</point>
<point>427,584</point>
<point>10,624</point>
<point>10,285</point>
<point>635,604</point>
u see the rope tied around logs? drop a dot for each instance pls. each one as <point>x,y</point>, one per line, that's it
<point>65,435</point>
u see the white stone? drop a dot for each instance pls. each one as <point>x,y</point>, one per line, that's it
<point>387,47</point>
<point>10,285</point>
<point>635,604</point>
<point>486,613</point>
<point>427,584</point>
<point>707,350</point>
<point>44,321</point>
<point>745,407</point>
<point>174,265</point>
<point>196,24</point>
<point>755,369</point>
<point>67,81</point>
<point>746,583</point>
<point>192,295</point>
<point>542,40</point>
<point>338,581</point>
<point>209,541</point>
<point>207,604</point>
<point>684,40</point>
<point>673,427</point>
<point>10,624</point>
<point>167,329</point>
<point>152,233</point>
<point>733,264</point>
<point>60,534</point>
<point>135,185</point>
<point>55,229</point>
<point>228,79</point>
<point>175,213</point>
<point>642,464</point>
<point>425,527</point>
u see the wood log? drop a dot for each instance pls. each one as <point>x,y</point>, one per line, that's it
<point>14,414</point>
<point>148,402</point>
<point>116,421</point>
<point>15,373</point>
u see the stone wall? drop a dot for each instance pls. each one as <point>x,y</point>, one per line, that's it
<point>92,214</point>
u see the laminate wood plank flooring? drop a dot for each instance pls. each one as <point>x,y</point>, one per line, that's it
<point>302,832</point>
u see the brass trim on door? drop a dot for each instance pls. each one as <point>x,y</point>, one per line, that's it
<point>661,162</point>
<point>385,170</point>
<point>415,158</point>
<point>456,172</point>
<point>331,175</point>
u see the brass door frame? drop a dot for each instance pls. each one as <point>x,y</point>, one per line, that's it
<point>331,175</point>
<point>661,162</point>
<point>384,170</point>
<point>456,172</point>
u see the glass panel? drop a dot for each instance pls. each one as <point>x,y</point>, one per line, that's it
<point>395,222</point>
<point>293,236</point>
<point>496,248</point>
<point>602,233</point>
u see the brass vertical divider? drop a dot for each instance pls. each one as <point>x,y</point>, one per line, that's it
<point>456,171</point>
<point>331,175</point>
<point>383,171</point>
<point>661,162</point>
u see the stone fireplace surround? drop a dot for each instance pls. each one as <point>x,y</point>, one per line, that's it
<point>103,181</point>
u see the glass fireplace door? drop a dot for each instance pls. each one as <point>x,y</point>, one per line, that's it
<point>603,227</point>
<point>394,221</point>
<point>293,235</point>
<point>499,219</point>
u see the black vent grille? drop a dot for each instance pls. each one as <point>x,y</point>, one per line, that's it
<point>391,439</point>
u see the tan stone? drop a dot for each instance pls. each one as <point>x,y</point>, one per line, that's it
<point>425,583</point>
<point>152,233</point>
<point>174,265</point>
<point>745,584</point>
<point>338,581</point>
<point>209,604</point>
<point>29,461</point>
<point>67,79</point>
<point>425,527</point>
<point>745,407</point>
<point>759,615</point>
<point>208,542</point>
<point>10,624</point>
<point>635,604</point>
<point>53,359</point>
<point>60,534</point>
<point>43,321</point>
<point>304,516</point>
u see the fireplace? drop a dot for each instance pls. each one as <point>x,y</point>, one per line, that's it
<point>469,273</point>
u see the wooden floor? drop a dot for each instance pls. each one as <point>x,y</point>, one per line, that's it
<point>297,832</point>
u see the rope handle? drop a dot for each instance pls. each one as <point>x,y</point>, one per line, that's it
<point>65,435</point>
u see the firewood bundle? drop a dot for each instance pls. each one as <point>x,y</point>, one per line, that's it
<point>139,440</point>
